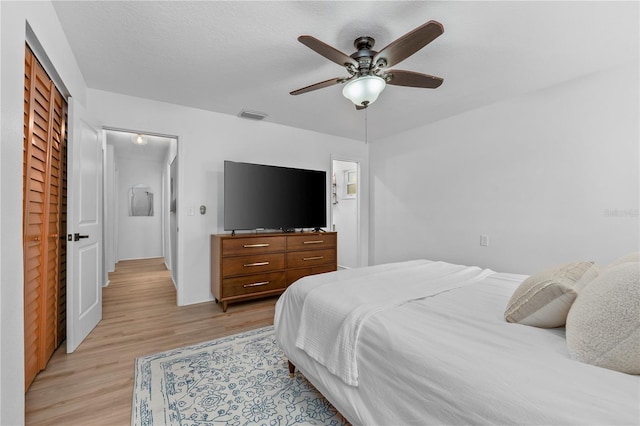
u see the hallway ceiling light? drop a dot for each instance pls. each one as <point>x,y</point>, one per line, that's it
<point>138,139</point>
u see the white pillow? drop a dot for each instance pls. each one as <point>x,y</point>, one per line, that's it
<point>631,257</point>
<point>544,299</point>
<point>603,325</point>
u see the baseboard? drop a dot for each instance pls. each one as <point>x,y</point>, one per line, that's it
<point>142,258</point>
<point>169,269</point>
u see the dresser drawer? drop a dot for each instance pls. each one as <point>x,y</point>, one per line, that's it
<point>294,275</point>
<point>298,259</point>
<point>252,264</point>
<point>253,284</point>
<point>310,242</point>
<point>250,245</point>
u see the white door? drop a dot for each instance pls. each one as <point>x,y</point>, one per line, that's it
<point>84,226</point>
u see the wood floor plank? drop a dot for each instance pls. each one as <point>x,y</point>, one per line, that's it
<point>94,385</point>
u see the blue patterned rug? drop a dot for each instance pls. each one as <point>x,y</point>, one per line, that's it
<point>236,380</point>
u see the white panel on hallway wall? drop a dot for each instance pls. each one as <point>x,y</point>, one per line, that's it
<point>169,215</point>
<point>110,222</point>
<point>139,237</point>
<point>345,216</point>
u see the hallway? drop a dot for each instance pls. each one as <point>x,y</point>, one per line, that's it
<point>94,384</point>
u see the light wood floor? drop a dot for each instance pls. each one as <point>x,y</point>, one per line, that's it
<point>94,385</point>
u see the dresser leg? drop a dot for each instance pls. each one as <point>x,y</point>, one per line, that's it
<point>292,369</point>
<point>224,306</point>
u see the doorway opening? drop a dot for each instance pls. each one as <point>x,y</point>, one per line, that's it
<point>140,198</point>
<point>345,211</point>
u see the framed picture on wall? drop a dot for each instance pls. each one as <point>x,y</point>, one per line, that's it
<point>350,184</point>
<point>140,201</point>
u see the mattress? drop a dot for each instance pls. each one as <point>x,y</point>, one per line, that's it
<point>451,358</point>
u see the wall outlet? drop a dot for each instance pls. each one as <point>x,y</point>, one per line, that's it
<point>484,240</point>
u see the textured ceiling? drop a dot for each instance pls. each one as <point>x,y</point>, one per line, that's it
<point>226,56</point>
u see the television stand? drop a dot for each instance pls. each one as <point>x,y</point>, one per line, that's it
<point>252,266</point>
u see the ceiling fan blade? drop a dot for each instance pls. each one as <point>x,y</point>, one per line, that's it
<point>317,86</point>
<point>327,51</point>
<point>410,43</point>
<point>414,79</point>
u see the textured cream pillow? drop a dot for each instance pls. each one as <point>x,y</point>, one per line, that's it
<point>631,257</point>
<point>603,325</point>
<point>544,299</point>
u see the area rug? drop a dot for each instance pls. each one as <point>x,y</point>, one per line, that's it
<point>236,380</point>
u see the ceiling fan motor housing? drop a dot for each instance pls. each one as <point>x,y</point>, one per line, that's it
<point>364,55</point>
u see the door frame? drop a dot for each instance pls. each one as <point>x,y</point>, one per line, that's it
<point>358,202</point>
<point>175,268</point>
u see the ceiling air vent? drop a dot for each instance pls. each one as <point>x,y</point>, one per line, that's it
<point>253,115</point>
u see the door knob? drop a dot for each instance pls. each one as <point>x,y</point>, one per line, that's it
<point>77,236</point>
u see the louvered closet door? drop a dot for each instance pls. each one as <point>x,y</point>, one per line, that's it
<point>44,139</point>
<point>62,241</point>
<point>54,198</point>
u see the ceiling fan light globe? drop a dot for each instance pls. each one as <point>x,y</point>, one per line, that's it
<point>364,90</point>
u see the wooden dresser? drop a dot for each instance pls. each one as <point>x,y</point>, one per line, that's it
<point>249,266</point>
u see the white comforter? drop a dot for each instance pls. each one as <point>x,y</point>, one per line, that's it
<point>452,359</point>
<point>333,314</point>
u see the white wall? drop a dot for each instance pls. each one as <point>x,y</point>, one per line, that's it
<point>42,19</point>
<point>205,140</point>
<point>139,237</point>
<point>542,175</point>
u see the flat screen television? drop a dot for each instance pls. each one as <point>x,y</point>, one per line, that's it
<point>258,196</point>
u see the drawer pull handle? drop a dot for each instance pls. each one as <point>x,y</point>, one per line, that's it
<point>256,284</point>
<point>256,245</point>
<point>313,258</point>
<point>313,242</point>
<point>246,265</point>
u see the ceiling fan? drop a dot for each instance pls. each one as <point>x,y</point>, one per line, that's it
<point>368,69</point>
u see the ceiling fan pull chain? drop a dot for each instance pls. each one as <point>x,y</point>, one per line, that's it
<point>366,127</point>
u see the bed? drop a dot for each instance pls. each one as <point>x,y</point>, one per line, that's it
<point>423,342</point>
